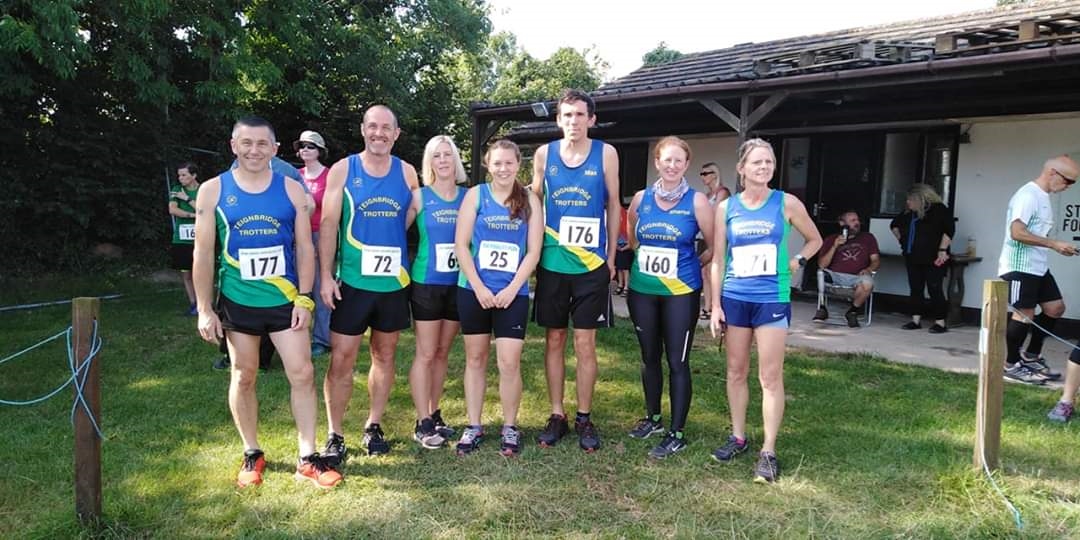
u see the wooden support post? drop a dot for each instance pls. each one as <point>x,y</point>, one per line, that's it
<point>476,158</point>
<point>84,312</point>
<point>721,112</point>
<point>991,374</point>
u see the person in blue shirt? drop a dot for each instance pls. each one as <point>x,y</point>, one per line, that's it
<point>500,233</point>
<point>751,277</point>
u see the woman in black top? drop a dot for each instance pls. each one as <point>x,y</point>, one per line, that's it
<point>925,231</point>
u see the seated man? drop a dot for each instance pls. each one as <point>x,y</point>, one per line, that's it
<point>848,259</point>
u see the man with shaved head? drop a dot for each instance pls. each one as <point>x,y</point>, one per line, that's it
<point>1024,265</point>
<point>369,196</point>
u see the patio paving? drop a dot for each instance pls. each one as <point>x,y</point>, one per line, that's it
<point>956,350</point>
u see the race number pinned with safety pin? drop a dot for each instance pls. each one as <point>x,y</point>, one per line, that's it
<point>579,232</point>
<point>753,260</point>
<point>186,231</point>
<point>261,263</point>
<point>380,261</point>
<point>499,256</point>
<point>658,261</point>
<point>445,258</point>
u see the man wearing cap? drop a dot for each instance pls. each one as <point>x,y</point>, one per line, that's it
<point>369,200</point>
<point>311,149</point>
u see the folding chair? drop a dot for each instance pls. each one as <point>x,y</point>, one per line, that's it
<point>827,289</point>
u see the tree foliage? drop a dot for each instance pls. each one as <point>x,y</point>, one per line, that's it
<point>100,99</point>
<point>660,55</point>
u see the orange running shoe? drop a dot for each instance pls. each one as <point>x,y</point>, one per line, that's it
<point>316,470</point>
<point>251,470</point>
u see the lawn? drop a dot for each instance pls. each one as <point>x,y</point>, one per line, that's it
<point>869,450</point>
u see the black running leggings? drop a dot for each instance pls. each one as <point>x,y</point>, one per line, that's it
<point>928,277</point>
<point>666,323</point>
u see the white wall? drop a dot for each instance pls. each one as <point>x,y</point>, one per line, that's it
<point>1001,157</point>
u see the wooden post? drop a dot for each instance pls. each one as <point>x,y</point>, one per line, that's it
<point>991,374</point>
<point>84,312</point>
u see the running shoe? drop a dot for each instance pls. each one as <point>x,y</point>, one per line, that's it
<point>588,438</point>
<point>821,315</point>
<point>852,318</point>
<point>668,446</point>
<point>318,349</point>
<point>427,435</point>
<point>222,363</point>
<point>316,470</point>
<point>1061,412</point>
<point>1037,364</point>
<point>335,451</point>
<point>1020,372</point>
<point>470,440</point>
<point>446,431</point>
<point>192,311</point>
<point>374,441</point>
<point>730,449</point>
<point>251,469</point>
<point>767,468</point>
<point>511,441</point>
<point>911,325</point>
<point>645,428</point>
<point>556,428</point>
<point>938,329</point>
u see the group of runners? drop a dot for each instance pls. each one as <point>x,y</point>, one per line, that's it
<point>478,248</point>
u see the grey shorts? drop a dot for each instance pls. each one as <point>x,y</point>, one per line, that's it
<point>847,280</point>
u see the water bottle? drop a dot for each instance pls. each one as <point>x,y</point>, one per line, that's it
<point>971,246</point>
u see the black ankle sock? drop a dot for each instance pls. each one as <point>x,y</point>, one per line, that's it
<point>1015,334</point>
<point>581,417</point>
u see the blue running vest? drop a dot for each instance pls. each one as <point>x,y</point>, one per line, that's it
<point>258,243</point>
<point>666,261</point>
<point>436,263</point>
<point>757,252</point>
<point>575,232</point>
<point>498,244</point>
<point>372,254</point>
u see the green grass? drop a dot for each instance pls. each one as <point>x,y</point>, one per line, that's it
<point>869,450</point>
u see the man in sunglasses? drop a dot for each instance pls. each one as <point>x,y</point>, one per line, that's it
<point>1024,265</point>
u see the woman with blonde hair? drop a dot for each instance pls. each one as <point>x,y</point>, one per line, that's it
<point>751,273</point>
<point>925,232</point>
<point>433,297</point>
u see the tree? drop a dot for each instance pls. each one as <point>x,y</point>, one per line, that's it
<point>99,99</point>
<point>660,55</point>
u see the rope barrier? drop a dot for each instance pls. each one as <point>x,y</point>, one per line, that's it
<point>1008,504</point>
<point>1032,322</point>
<point>77,378</point>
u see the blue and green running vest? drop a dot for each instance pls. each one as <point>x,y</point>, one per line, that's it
<point>372,249</point>
<point>498,244</point>
<point>436,263</point>
<point>255,231</point>
<point>666,261</point>
<point>575,231</point>
<point>757,252</point>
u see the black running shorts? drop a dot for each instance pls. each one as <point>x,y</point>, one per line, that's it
<point>256,321</point>
<point>503,323</point>
<point>359,309</point>
<point>181,256</point>
<point>1028,290</point>
<point>433,302</point>
<point>584,298</point>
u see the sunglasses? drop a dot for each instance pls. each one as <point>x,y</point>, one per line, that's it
<point>706,173</point>
<point>308,146</point>
<point>1068,181</point>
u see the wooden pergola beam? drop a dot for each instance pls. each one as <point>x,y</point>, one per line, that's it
<point>721,112</point>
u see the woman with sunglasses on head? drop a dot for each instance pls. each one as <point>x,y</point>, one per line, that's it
<point>665,288</point>
<point>311,149</point>
<point>715,192</point>
<point>433,296</point>
<point>925,232</point>
<point>500,232</point>
<point>751,273</point>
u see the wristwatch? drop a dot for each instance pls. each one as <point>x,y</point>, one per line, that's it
<point>802,260</point>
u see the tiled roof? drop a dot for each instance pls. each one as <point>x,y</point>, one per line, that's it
<point>914,38</point>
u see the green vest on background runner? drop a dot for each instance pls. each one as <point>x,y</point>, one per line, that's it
<point>183,229</point>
